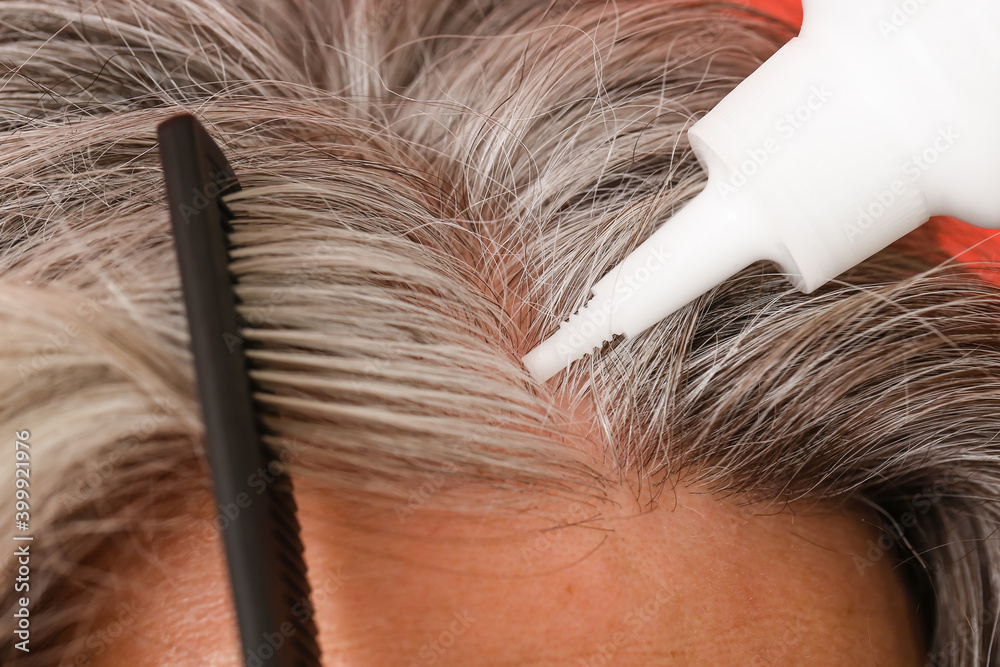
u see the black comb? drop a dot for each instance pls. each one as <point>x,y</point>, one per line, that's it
<point>266,569</point>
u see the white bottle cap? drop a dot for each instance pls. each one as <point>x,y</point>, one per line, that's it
<point>852,135</point>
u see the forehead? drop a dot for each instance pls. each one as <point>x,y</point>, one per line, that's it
<point>697,580</point>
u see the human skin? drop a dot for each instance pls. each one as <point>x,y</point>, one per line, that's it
<point>688,579</point>
<point>693,579</point>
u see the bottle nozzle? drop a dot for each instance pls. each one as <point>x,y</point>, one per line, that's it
<point>819,159</point>
<point>704,244</point>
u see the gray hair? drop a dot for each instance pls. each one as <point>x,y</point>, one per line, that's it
<point>429,188</point>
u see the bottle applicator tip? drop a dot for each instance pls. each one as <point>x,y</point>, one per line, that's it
<point>819,159</point>
<point>707,242</point>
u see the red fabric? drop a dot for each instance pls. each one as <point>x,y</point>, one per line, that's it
<point>963,241</point>
<point>788,10</point>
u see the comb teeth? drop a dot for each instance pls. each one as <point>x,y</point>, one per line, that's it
<point>265,555</point>
<point>291,571</point>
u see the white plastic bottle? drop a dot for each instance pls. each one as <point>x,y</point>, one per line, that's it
<point>879,115</point>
